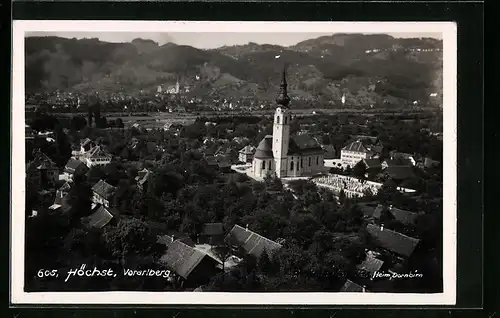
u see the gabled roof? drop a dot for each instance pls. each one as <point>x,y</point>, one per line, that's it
<point>352,287</point>
<point>99,218</point>
<point>253,243</point>
<point>370,264</point>
<point>62,199</point>
<point>265,148</point>
<point>104,189</point>
<point>303,143</point>
<point>182,258</point>
<point>399,173</point>
<point>99,152</point>
<point>399,162</point>
<point>248,150</point>
<point>212,229</point>
<point>372,163</point>
<point>74,164</point>
<point>393,241</point>
<point>403,216</point>
<point>356,146</point>
<point>223,161</point>
<point>329,151</point>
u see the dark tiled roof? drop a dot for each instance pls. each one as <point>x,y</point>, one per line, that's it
<point>304,143</point>
<point>399,172</point>
<point>352,287</point>
<point>265,148</point>
<point>74,164</point>
<point>372,163</point>
<point>400,162</point>
<point>212,229</point>
<point>370,264</point>
<point>104,189</point>
<point>62,199</point>
<point>400,155</point>
<point>329,151</point>
<point>100,218</point>
<point>182,258</point>
<point>403,216</point>
<point>251,242</point>
<point>393,241</point>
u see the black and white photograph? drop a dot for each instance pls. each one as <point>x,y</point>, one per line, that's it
<point>233,162</point>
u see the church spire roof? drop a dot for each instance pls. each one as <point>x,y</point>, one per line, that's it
<point>283,98</point>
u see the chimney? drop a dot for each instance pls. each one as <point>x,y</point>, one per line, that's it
<point>173,238</point>
<point>364,289</point>
<point>381,227</point>
<point>246,228</point>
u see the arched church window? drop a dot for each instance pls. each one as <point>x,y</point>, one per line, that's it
<point>263,165</point>
<point>277,119</point>
<point>317,160</point>
<point>269,165</point>
<point>301,162</point>
<point>286,120</point>
<point>291,166</point>
<point>309,161</point>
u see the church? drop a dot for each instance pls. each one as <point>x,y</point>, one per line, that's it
<point>284,155</point>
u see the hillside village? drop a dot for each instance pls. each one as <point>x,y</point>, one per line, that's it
<point>186,199</point>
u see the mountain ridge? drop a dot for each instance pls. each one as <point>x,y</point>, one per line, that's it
<point>366,68</point>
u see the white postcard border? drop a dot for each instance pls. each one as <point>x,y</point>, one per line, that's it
<point>448,297</point>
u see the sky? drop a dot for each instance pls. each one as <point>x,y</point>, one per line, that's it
<point>211,40</point>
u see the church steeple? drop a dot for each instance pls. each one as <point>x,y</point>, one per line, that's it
<point>283,98</point>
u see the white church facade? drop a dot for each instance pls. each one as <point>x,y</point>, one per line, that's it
<point>284,155</point>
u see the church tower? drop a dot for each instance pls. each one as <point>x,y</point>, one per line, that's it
<point>281,129</point>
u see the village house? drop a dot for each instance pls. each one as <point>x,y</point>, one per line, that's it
<point>42,171</point>
<point>356,151</point>
<point>97,156</point>
<point>73,167</point>
<point>211,233</point>
<point>99,218</point>
<point>62,199</point>
<point>246,154</point>
<point>251,242</point>
<point>192,266</point>
<point>394,242</point>
<point>408,158</point>
<point>403,216</point>
<point>103,193</point>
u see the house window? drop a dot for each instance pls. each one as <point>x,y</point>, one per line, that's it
<point>286,121</point>
<point>309,161</point>
<point>269,165</point>
<point>263,165</point>
<point>291,166</point>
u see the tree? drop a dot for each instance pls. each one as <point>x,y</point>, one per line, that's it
<point>359,170</point>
